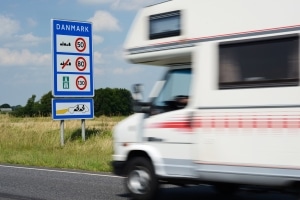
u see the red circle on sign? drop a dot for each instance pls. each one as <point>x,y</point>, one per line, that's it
<point>79,67</point>
<point>81,84</point>
<point>80,44</point>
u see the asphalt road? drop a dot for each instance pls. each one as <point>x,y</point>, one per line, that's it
<point>30,183</point>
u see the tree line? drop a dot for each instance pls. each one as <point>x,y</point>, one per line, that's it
<point>107,101</point>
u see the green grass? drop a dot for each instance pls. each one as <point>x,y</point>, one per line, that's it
<point>36,142</point>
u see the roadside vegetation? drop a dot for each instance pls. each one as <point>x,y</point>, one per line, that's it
<point>35,141</point>
<point>108,102</point>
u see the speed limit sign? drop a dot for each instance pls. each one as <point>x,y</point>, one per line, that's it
<point>80,44</point>
<point>72,58</point>
<point>81,82</point>
<point>81,63</point>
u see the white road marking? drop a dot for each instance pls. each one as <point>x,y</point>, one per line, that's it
<point>59,171</point>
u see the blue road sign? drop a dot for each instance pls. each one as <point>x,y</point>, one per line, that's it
<point>72,59</point>
<point>72,109</point>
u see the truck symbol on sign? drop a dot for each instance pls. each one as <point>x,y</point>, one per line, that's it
<point>65,44</point>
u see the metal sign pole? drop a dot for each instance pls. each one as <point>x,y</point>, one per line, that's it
<point>62,132</point>
<point>83,129</point>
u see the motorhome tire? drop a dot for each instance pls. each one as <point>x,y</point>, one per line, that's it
<point>141,181</point>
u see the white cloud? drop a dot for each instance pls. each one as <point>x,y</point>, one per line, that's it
<point>97,56</point>
<point>29,37</point>
<point>10,37</point>
<point>23,41</point>
<point>104,21</point>
<point>8,26</point>
<point>98,71</point>
<point>127,71</point>
<point>22,58</point>
<point>31,22</point>
<point>97,39</point>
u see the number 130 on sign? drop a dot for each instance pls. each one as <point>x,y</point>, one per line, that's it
<point>75,82</point>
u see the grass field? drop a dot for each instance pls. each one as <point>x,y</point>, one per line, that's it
<point>36,142</point>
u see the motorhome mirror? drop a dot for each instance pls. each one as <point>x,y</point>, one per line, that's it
<point>138,88</point>
<point>137,92</point>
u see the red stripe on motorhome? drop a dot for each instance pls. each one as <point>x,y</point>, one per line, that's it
<point>268,123</point>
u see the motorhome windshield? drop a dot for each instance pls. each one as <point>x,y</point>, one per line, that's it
<point>175,92</point>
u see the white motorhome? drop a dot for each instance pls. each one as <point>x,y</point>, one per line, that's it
<point>227,112</point>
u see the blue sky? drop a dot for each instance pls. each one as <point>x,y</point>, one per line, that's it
<point>25,45</point>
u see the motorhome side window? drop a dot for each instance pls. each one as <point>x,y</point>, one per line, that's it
<point>165,25</point>
<point>175,92</point>
<point>261,63</point>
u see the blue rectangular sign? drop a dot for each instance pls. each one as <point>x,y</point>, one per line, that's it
<point>72,52</point>
<point>72,109</point>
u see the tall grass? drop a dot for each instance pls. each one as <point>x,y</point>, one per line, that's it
<point>36,142</point>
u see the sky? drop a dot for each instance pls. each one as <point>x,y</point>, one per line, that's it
<point>26,54</point>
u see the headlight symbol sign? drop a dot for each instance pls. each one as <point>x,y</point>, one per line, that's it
<point>79,108</point>
<point>63,108</point>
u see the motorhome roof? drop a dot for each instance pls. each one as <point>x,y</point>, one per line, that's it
<point>203,20</point>
<point>158,3</point>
